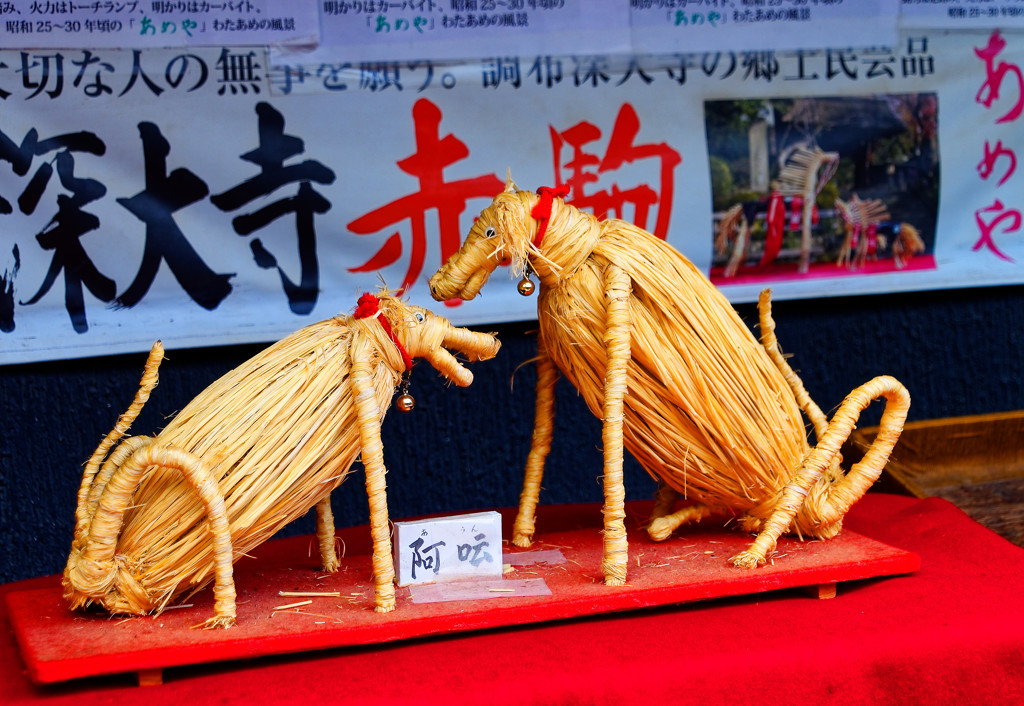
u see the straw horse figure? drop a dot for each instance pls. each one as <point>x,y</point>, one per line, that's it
<point>906,243</point>
<point>658,353</point>
<point>860,230</point>
<point>868,228</point>
<point>803,173</point>
<point>160,516</point>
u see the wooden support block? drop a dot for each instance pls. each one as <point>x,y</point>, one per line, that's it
<point>825,590</point>
<point>150,677</point>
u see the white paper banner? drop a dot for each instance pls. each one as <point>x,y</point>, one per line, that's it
<point>155,195</point>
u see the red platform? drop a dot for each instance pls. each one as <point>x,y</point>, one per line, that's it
<point>58,645</point>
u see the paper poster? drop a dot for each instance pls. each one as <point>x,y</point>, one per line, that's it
<point>59,24</point>
<point>362,30</point>
<point>711,25</point>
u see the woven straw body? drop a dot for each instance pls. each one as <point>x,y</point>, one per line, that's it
<point>706,410</point>
<point>272,438</point>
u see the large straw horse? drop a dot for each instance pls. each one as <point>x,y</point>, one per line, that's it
<point>659,354</point>
<point>162,516</point>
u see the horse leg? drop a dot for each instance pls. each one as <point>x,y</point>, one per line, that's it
<point>664,500</point>
<point>85,507</point>
<point>540,446</point>
<point>325,535</point>
<point>663,521</point>
<point>851,488</point>
<point>661,528</point>
<point>861,258</point>
<point>805,230</point>
<point>844,250</point>
<point>739,249</point>
<point>616,344</point>
<point>368,418</point>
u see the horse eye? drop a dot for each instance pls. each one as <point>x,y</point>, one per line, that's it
<point>420,317</point>
<point>490,231</point>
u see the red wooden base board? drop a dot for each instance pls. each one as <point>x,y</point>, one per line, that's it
<point>58,644</point>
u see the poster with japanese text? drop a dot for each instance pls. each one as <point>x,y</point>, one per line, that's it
<point>204,195</point>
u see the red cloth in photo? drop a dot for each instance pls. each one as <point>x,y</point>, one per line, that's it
<point>775,228</point>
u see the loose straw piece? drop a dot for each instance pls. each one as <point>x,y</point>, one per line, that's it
<point>329,594</point>
<point>293,605</point>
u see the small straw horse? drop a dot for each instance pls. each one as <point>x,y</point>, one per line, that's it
<point>161,516</point>
<point>660,355</point>
<point>906,243</point>
<point>868,228</point>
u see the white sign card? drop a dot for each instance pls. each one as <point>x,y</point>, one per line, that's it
<point>448,548</point>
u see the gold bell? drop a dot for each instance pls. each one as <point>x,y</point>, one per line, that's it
<point>526,286</point>
<point>405,402</point>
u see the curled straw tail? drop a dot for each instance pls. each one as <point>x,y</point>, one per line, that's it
<point>88,494</point>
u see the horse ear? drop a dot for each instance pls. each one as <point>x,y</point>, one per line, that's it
<point>510,186</point>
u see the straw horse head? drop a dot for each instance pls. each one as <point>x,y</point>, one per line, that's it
<point>164,515</point>
<point>659,355</point>
<point>805,170</point>
<point>504,231</point>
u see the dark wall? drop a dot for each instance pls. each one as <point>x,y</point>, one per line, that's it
<point>959,352</point>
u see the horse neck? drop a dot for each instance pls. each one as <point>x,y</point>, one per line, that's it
<point>569,240</point>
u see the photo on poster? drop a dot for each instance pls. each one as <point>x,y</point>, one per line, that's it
<point>822,186</point>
